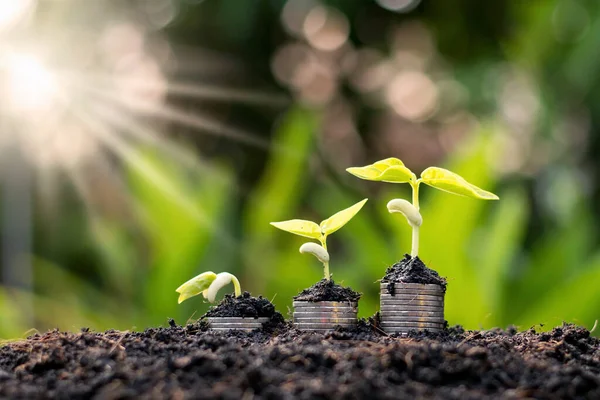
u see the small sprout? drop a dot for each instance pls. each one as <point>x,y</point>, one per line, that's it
<point>319,232</point>
<point>316,250</point>
<point>393,170</point>
<point>413,216</point>
<point>207,283</point>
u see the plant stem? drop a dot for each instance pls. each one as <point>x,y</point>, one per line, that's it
<point>415,229</point>
<point>323,241</point>
<point>236,286</point>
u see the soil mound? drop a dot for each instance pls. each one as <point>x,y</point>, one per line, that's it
<point>411,270</point>
<point>327,290</point>
<point>185,362</point>
<point>246,306</point>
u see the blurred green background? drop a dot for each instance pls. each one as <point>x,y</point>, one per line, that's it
<point>144,142</point>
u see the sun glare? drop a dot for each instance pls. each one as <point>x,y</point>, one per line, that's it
<point>31,86</point>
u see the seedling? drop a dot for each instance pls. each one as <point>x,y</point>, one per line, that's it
<point>207,283</point>
<point>319,232</point>
<point>393,170</point>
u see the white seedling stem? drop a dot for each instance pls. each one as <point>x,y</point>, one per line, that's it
<point>415,228</point>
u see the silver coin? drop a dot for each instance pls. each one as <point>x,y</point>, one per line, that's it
<point>232,329</point>
<point>409,299</point>
<point>412,304</point>
<point>225,327</point>
<point>325,320</point>
<point>412,293</point>
<point>414,325</point>
<point>426,286</point>
<point>323,315</point>
<point>327,309</point>
<point>260,320</point>
<point>403,313</point>
<point>387,319</point>
<point>402,296</point>
<point>385,311</point>
<point>325,304</point>
<point>324,312</point>
<point>404,332</point>
<point>304,326</point>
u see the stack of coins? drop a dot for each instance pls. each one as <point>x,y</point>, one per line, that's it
<point>324,315</point>
<point>414,306</point>
<point>237,323</point>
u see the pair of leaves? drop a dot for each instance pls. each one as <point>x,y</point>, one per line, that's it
<point>311,230</point>
<point>207,283</point>
<point>393,170</point>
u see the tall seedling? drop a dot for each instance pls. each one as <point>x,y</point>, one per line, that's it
<point>394,171</point>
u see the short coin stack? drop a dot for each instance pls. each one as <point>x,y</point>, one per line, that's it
<point>324,315</point>
<point>237,323</point>
<point>414,306</point>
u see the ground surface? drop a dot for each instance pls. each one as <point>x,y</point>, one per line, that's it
<point>185,362</point>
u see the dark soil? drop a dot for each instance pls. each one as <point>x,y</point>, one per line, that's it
<point>411,270</point>
<point>327,290</point>
<point>185,362</point>
<point>242,306</point>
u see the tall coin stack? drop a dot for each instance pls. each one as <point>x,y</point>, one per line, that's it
<point>324,315</point>
<point>414,306</point>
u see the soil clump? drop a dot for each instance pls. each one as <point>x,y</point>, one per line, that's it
<point>246,306</point>
<point>327,290</point>
<point>411,270</point>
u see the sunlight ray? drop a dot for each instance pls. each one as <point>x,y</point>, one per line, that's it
<point>124,150</point>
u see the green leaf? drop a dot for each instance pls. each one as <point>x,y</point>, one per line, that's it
<point>341,218</point>
<point>389,170</point>
<point>195,286</point>
<point>450,182</point>
<point>300,227</point>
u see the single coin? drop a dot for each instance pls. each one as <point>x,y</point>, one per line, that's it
<point>413,303</point>
<point>260,320</point>
<point>402,313</point>
<point>388,319</point>
<point>411,325</point>
<point>402,296</point>
<point>325,320</point>
<point>323,315</point>
<point>305,325</point>
<point>324,304</point>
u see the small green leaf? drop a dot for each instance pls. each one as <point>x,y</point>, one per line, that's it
<point>450,182</point>
<point>389,170</point>
<point>300,227</point>
<point>195,286</point>
<point>341,218</point>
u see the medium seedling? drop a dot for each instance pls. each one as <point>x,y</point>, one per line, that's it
<point>394,171</point>
<point>207,283</point>
<point>319,232</point>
